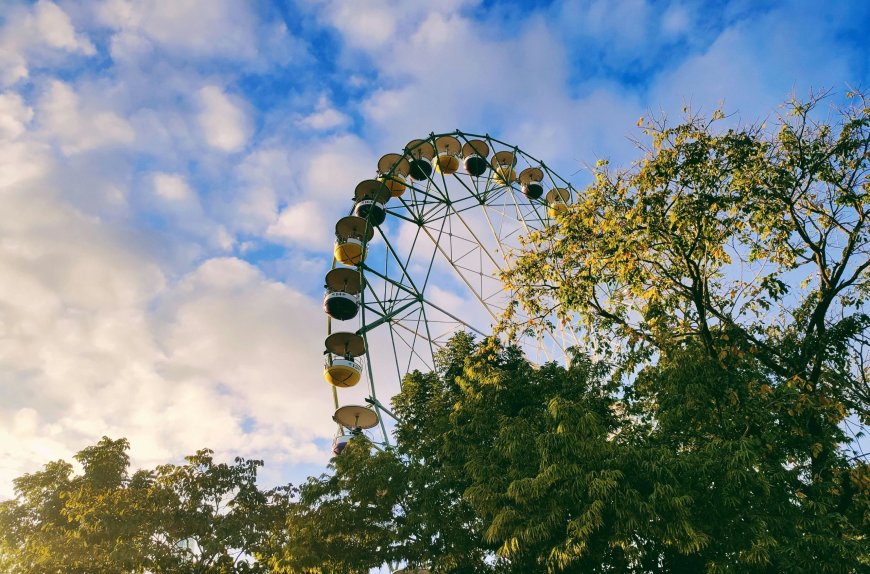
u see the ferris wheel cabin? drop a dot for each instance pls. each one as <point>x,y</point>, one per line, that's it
<point>557,199</point>
<point>448,148</point>
<point>343,285</point>
<point>352,419</point>
<point>393,170</point>
<point>474,154</point>
<point>421,153</point>
<point>503,164</point>
<point>340,368</point>
<point>371,196</point>
<point>530,182</point>
<point>352,234</point>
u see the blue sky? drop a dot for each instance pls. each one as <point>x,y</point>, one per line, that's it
<point>171,170</point>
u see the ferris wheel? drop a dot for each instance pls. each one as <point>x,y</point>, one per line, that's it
<point>418,258</point>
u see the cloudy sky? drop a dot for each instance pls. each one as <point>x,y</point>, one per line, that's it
<point>170,172</point>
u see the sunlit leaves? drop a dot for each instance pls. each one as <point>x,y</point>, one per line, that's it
<point>200,516</point>
<point>761,234</point>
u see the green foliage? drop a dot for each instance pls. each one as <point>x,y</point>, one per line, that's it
<point>721,283</point>
<point>402,504</point>
<point>508,467</point>
<point>200,516</point>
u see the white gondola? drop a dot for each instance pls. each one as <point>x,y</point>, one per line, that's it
<point>353,419</point>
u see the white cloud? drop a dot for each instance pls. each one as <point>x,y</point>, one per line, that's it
<point>37,33</point>
<point>376,24</point>
<point>21,162</point>
<point>676,20</point>
<point>752,66</point>
<point>172,187</point>
<point>57,30</point>
<point>79,126</point>
<point>223,122</point>
<point>621,26</point>
<point>221,28</point>
<point>100,344</point>
<point>335,166</point>
<point>325,117</point>
<point>302,224</point>
<point>227,324</point>
<point>14,115</point>
<point>185,31</point>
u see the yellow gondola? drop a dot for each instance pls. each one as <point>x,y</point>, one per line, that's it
<point>340,367</point>
<point>557,199</point>
<point>503,167</point>
<point>393,170</point>
<point>448,148</point>
<point>352,234</point>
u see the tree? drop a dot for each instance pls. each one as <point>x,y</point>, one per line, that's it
<point>742,241</point>
<point>401,504</point>
<point>744,255</point>
<point>200,516</point>
<point>721,285</point>
<point>502,466</point>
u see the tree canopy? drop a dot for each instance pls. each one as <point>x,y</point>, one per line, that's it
<point>720,284</point>
<point>200,516</point>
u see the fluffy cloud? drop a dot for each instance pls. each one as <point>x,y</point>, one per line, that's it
<point>223,28</point>
<point>14,116</point>
<point>76,127</point>
<point>103,343</point>
<point>172,187</point>
<point>302,223</point>
<point>150,201</point>
<point>324,117</point>
<point>223,122</point>
<point>39,32</point>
